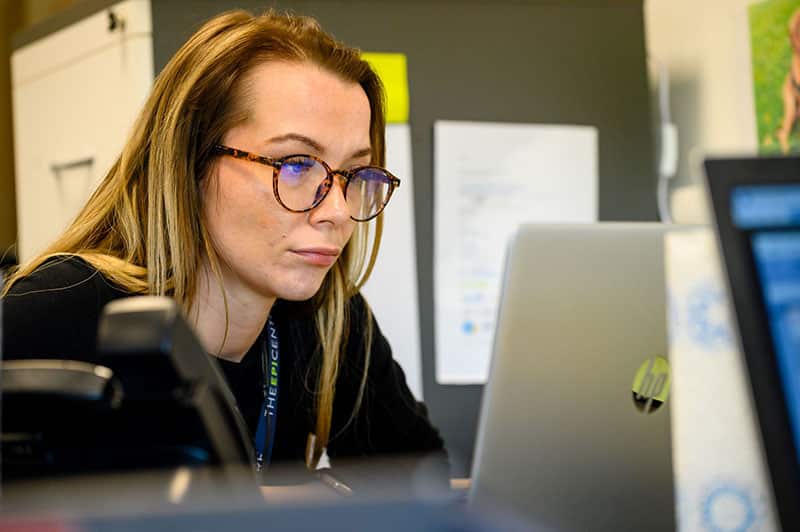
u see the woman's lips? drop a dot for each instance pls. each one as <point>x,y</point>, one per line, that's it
<point>318,256</point>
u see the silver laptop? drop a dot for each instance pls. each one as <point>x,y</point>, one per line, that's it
<point>574,430</point>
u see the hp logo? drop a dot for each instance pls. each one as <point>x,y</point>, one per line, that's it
<point>651,385</point>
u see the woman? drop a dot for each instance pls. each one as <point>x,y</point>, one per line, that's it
<point>210,203</point>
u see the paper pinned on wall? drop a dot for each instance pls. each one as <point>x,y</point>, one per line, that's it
<point>489,178</point>
<point>392,288</point>
<point>393,71</point>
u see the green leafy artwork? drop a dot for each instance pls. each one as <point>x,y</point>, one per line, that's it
<point>775,45</point>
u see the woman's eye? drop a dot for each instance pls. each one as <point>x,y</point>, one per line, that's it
<point>297,167</point>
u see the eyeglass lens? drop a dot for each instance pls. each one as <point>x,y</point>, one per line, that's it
<point>301,185</point>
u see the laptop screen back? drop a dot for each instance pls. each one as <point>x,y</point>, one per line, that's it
<point>562,441</point>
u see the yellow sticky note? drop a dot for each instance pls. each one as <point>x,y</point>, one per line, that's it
<point>393,71</point>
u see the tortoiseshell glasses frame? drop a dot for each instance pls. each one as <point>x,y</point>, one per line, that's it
<point>376,176</point>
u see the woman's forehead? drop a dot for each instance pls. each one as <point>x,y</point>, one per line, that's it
<point>286,98</point>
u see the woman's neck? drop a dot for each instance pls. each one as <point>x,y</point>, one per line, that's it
<point>247,314</point>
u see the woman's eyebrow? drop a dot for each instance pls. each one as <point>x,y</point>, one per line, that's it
<point>311,143</point>
<point>363,152</point>
<point>314,145</point>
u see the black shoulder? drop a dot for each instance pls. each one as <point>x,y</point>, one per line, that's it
<point>53,311</point>
<point>359,314</point>
<point>57,273</point>
<point>390,419</point>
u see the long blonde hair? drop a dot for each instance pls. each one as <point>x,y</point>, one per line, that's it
<point>141,226</point>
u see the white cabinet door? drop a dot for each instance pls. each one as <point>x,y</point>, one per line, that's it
<point>75,95</point>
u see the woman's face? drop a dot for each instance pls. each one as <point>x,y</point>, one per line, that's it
<point>295,108</point>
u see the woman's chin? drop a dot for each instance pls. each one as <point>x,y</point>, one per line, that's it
<point>300,292</point>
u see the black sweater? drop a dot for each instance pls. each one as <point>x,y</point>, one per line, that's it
<point>54,312</point>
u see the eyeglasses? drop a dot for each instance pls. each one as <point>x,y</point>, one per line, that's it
<point>301,182</point>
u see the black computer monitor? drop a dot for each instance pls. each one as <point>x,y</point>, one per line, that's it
<point>756,203</point>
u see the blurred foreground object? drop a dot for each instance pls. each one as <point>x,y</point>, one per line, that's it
<point>154,401</point>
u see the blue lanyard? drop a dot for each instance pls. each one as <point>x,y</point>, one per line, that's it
<point>265,432</point>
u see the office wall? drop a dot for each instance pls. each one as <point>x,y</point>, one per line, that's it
<point>34,11</point>
<point>14,16</point>
<point>706,46</point>
<point>8,223</point>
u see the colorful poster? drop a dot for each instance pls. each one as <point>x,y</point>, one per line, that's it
<point>775,46</point>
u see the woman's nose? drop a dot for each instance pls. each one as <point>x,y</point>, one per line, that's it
<point>334,206</point>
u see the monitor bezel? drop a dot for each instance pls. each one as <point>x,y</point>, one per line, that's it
<point>723,176</point>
